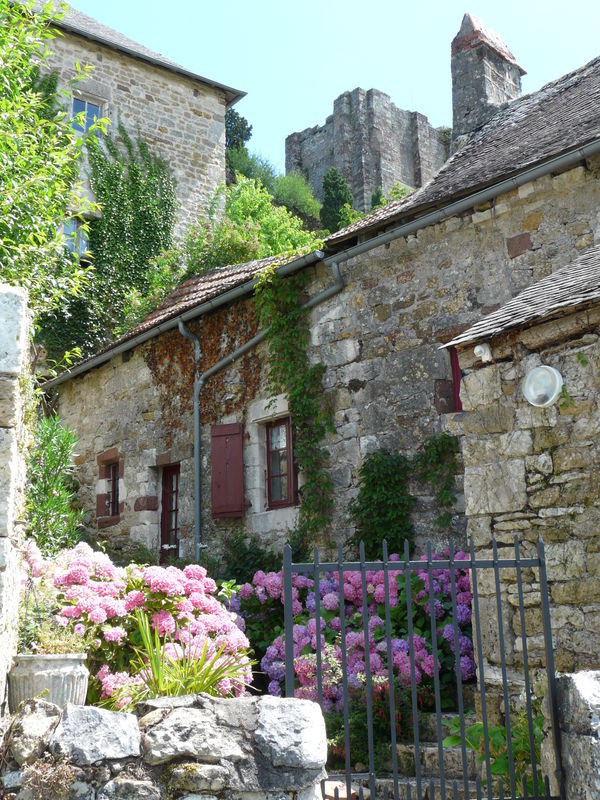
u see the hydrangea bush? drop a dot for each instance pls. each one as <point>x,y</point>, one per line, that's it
<point>261,605</point>
<point>99,599</point>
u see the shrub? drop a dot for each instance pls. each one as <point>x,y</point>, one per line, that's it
<point>53,518</point>
<point>251,166</point>
<point>383,506</point>
<point>101,601</point>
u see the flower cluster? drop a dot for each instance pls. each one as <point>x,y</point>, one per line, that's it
<point>261,605</point>
<point>99,598</point>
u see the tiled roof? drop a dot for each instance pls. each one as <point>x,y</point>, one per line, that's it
<point>561,116</point>
<point>574,285</point>
<point>76,21</point>
<point>198,290</point>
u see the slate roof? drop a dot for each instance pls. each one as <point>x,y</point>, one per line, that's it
<point>569,287</point>
<point>75,21</point>
<point>561,116</point>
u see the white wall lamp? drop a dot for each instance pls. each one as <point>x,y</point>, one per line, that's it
<point>542,386</point>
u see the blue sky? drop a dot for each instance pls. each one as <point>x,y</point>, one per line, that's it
<point>294,59</point>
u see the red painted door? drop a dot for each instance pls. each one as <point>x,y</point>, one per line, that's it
<point>169,518</point>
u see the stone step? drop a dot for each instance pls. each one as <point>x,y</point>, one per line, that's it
<point>407,789</point>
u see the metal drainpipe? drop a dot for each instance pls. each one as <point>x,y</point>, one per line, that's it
<point>199,382</point>
<point>197,442</point>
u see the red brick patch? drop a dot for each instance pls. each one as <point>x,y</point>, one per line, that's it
<point>517,245</point>
<point>146,503</point>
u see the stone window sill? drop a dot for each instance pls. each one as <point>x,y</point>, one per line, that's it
<point>107,522</point>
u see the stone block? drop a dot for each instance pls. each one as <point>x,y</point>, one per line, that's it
<point>481,388</point>
<point>32,729</point>
<point>489,449</point>
<point>576,592</point>
<point>87,735</point>
<point>129,789</point>
<point>190,733</point>
<point>14,342</point>
<point>495,488</point>
<point>291,733</point>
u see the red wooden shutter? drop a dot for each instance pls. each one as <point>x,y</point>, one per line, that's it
<point>227,470</point>
<point>456,376</point>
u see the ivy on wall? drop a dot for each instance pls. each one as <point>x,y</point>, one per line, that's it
<point>280,310</point>
<point>383,506</point>
<point>136,194</point>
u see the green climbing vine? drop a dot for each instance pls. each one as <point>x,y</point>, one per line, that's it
<point>384,504</point>
<point>136,194</point>
<point>280,311</point>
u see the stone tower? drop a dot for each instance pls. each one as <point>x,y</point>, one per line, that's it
<point>372,142</point>
<point>485,75</point>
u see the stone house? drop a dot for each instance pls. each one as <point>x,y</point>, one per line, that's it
<point>181,115</point>
<point>518,201</point>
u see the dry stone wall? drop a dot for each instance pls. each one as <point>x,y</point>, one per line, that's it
<point>386,378</point>
<point>181,748</point>
<point>14,350</point>
<point>181,119</point>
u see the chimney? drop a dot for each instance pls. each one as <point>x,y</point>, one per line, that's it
<point>485,76</point>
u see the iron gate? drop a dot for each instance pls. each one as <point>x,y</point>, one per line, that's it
<point>466,752</point>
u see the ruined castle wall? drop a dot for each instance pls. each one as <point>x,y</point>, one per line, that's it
<point>181,119</point>
<point>372,143</point>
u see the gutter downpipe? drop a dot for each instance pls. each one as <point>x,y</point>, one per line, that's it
<point>199,546</point>
<point>199,382</point>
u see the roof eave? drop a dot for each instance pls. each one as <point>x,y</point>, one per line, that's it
<point>232,95</point>
<point>172,322</point>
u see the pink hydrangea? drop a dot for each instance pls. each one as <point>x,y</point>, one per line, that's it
<point>163,623</point>
<point>115,634</point>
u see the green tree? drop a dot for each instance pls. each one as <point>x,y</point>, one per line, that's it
<point>250,227</point>
<point>252,166</point>
<point>39,163</point>
<point>237,130</point>
<point>377,198</point>
<point>336,194</point>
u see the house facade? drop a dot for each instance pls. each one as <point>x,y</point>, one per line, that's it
<point>181,115</point>
<point>386,293</point>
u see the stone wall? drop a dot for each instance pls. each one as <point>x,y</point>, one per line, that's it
<point>187,748</point>
<point>534,472</point>
<point>378,338</point>
<point>372,142</point>
<point>579,715</point>
<point>181,119</point>
<point>14,351</point>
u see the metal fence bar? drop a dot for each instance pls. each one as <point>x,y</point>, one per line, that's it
<point>317,593</point>
<point>481,676</point>
<point>288,621</point>
<point>511,761</point>
<point>413,679</point>
<point>526,671</point>
<point>355,566</point>
<point>368,678</point>
<point>550,670</point>
<point>390,666</point>
<point>458,672</point>
<point>436,676</point>
<point>347,762</point>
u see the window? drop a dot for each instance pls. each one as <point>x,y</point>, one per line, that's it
<point>85,112</point>
<point>112,490</point>
<point>169,520</point>
<point>109,505</point>
<point>76,237</point>
<point>280,464</point>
